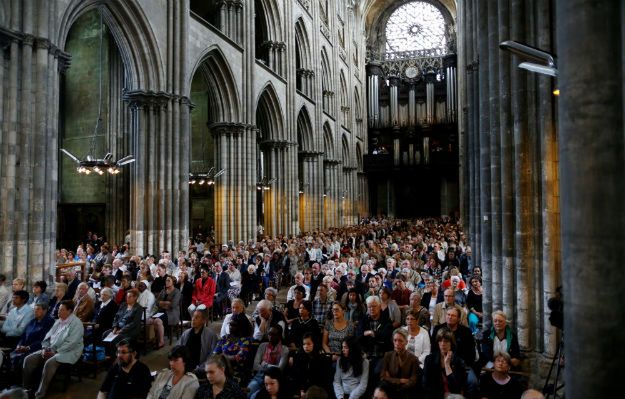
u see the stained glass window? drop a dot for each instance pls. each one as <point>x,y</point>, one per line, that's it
<point>415,26</point>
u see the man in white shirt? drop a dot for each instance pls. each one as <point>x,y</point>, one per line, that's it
<point>146,298</point>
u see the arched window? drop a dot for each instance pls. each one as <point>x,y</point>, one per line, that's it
<point>415,26</point>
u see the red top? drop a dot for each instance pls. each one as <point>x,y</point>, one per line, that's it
<point>204,291</point>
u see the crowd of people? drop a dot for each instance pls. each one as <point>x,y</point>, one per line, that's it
<point>383,309</point>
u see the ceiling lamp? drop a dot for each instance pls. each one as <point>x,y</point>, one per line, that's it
<point>535,60</point>
<point>207,178</point>
<point>264,184</point>
<point>91,164</point>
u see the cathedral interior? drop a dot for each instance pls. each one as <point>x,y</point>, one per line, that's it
<point>291,116</point>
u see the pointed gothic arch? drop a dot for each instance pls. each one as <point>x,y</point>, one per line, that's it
<point>326,81</point>
<point>305,140</point>
<point>328,142</point>
<point>224,102</point>
<point>269,115</point>
<point>125,20</point>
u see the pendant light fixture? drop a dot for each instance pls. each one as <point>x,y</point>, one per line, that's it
<point>91,163</point>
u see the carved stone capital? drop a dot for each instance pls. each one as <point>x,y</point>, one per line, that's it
<point>148,99</point>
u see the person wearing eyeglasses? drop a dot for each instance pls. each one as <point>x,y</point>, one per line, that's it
<point>128,378</point>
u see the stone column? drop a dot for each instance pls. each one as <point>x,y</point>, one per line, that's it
<point>591,153</point>
<point>29,98</point>
<point>524,254</point>
<point>234,190</point>
<point>485,239</point>
<point>495,157</point>
<point>507,165</point>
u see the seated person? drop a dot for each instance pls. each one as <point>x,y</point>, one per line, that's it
<point>220,382</point>
<point>62,344</point>
<point>103,313</point>
<point>175,382</point>
<point>274,386</point>
<point>352,371</point>
<point>127,321</point>
<point>128,378</point>
<point>499,384</point>
<point>168,308</point>
<point>299,282</point>
<point>375,335</point>
<point>310,367</point>
<point>60,294</point>
<point>16,321</point>
<point>203,291</point>
<point>146,298</point>
<point>500,338</point>
<point>238,306</point>
<point>440,310</point>
<point>444,371</point>
<point>39,294</point>
<point>267,317</point>
<point>200,340</point>
<point>464,347</point>
<point>237,346</point>
<point>33,335</point>
<point>304,324</point>
<point>401,367</point>
<point>18,285</point>
<point>83,303</point>
<point>269,354</point>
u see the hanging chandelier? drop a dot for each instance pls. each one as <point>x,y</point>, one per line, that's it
<point>207,178</point>
<point>265,183</point>
<point>91,164</point>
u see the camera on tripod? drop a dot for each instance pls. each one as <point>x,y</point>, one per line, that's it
<point>555,304</point>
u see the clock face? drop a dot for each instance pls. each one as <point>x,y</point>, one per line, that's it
<point>411,72</point>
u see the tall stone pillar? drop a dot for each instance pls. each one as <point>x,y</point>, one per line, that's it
<point>507,165</point>
<point>30,64</point>
<point>484,148</point>
<point>592,153</point>
<point>235,190</point>
<point>159,177</point>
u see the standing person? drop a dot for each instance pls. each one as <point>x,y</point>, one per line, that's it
<point>220,384</point>
<point>128,378</point>
<point>175,382</point>
<point>352,371</point>
<point>62,344</point>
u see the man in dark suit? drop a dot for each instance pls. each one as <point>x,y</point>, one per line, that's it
<point>104,313</point>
